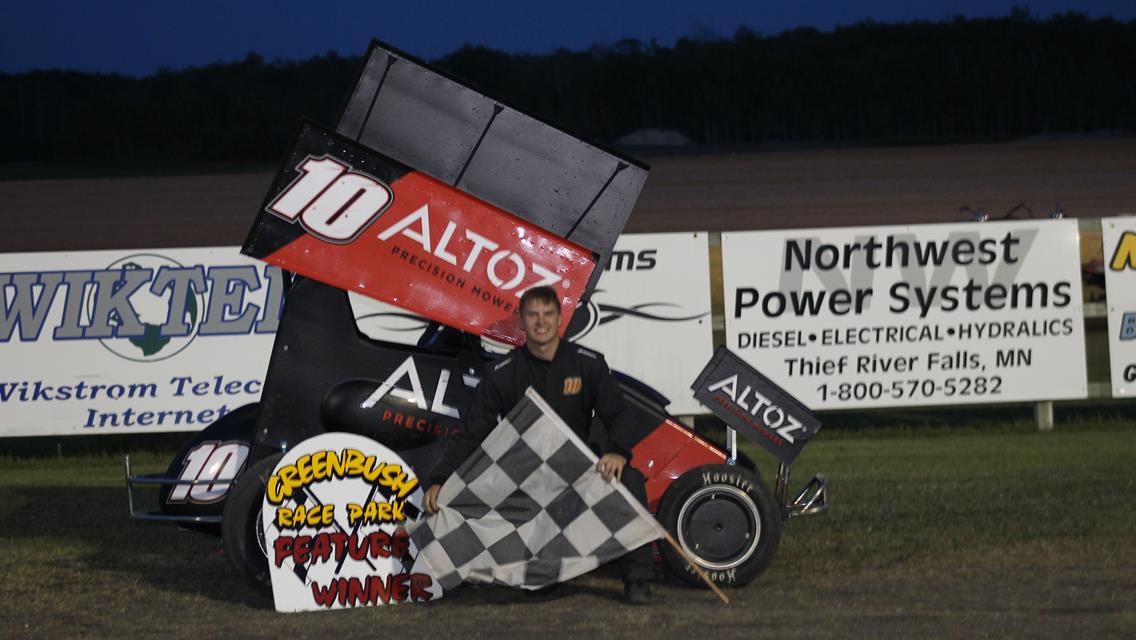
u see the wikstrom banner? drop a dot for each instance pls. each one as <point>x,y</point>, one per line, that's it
<point>132,341</point>
<point>910,315</point>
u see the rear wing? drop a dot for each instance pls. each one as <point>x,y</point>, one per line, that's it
<point>426,181</point>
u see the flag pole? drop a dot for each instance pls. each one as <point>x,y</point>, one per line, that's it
<point>697,569</point>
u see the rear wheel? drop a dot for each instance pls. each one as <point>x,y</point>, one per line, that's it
<point>241,525</point>
<point>724,518</point>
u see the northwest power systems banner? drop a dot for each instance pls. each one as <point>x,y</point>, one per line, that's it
<point>132,340</point>
<point>649,314</point>
<point>1119,237</point>
<point>910,315</point>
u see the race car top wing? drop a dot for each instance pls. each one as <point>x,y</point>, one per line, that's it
<point>342,214</point>
<point>434,123</point>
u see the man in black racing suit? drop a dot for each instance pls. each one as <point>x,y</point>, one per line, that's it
<point>575,382</point>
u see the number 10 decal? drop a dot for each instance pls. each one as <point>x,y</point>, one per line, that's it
<point>331,201</point>
<point>209,461</point>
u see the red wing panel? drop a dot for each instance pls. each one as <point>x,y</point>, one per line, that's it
<point>668,452</point>
<point>343,215</point>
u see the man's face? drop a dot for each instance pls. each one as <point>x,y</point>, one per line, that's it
<point>541,322</point>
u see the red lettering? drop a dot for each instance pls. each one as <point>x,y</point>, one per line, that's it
<point>400,545</point>
<point>325,596</point>
<point>302,550</point>
<point>380,589</point>
<point>339,539</point>
<point>356,592</point>
<point>321,547</point>
<point>283,548</point>
<point>396,585</point>
<point>420,587</point>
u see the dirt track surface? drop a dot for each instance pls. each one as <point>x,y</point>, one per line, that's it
<point>772,190</point>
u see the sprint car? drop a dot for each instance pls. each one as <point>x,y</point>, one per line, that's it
<point>412,141</point>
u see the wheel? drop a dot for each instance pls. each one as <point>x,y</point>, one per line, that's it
<point>724,518</point>
<point>241,527</point>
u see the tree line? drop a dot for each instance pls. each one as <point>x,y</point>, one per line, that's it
<point>868,83</point>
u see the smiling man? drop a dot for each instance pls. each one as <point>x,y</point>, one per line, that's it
<point>577,384</point>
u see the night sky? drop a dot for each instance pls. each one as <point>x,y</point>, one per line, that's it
<point>137,37</point>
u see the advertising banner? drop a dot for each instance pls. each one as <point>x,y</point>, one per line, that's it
<point>357,220</point>
<point>333,518</point>
<point>754,406</point>
<point>649,314</point>
<point>132,341</point>
<point>910,315</point>
<point>1119,237</point>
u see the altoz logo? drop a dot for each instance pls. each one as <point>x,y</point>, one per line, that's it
<point>770,414</point>
<point>1124,256</point>
<point>335,204</point>
<point>143,307</point>
<point>591,315</point>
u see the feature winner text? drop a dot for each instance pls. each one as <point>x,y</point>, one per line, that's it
<point>369,533</point>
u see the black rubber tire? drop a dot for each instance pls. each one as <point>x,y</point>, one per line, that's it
<point>241,525</point>
<point>715,512</point>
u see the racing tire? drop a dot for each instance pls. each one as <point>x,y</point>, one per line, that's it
<point>241,525</point>
<point>725,519</point>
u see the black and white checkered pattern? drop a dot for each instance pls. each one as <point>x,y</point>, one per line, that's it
<point>529,509</point>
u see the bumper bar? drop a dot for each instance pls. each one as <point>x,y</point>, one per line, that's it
<point>159,480</point>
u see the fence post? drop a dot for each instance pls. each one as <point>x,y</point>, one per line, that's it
<point>1043,415</point>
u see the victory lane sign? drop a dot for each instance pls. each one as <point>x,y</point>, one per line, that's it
<point>357,220</point>
<point>753,405</point>
<point>333,519</point>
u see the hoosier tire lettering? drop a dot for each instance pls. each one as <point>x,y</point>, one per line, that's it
<point>725,519</point>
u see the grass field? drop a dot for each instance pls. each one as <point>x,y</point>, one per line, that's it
<point>999,532</point>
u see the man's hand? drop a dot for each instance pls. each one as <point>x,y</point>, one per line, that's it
<point>430,500</point>
<point>611,465</point>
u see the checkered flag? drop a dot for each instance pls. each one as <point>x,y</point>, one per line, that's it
<point>529,509</point>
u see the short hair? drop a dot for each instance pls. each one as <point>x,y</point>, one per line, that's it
<point>541,294</point>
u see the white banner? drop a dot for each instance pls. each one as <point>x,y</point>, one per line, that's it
<point>132,341</point>
<point>1119,238</point>
<point>910,315</point>
<point>649,315</point>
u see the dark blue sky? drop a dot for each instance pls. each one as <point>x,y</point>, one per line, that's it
<point>138,36</point>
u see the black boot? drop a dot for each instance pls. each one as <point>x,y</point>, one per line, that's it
<point>637,592</point>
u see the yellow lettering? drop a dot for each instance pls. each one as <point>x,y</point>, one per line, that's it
<point>352,463</point>
<point>304,470</point>
<point>274,492</point>
<point>1125,255</point>
<point>372,469</point>
<point>319,465</point>
<point>284,517</point>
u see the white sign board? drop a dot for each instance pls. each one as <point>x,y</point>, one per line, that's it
<point>132,341</point>
<point>1119,238</point>
<point>910,315</point>
<point>333,517</point>
<point>649,315</point>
